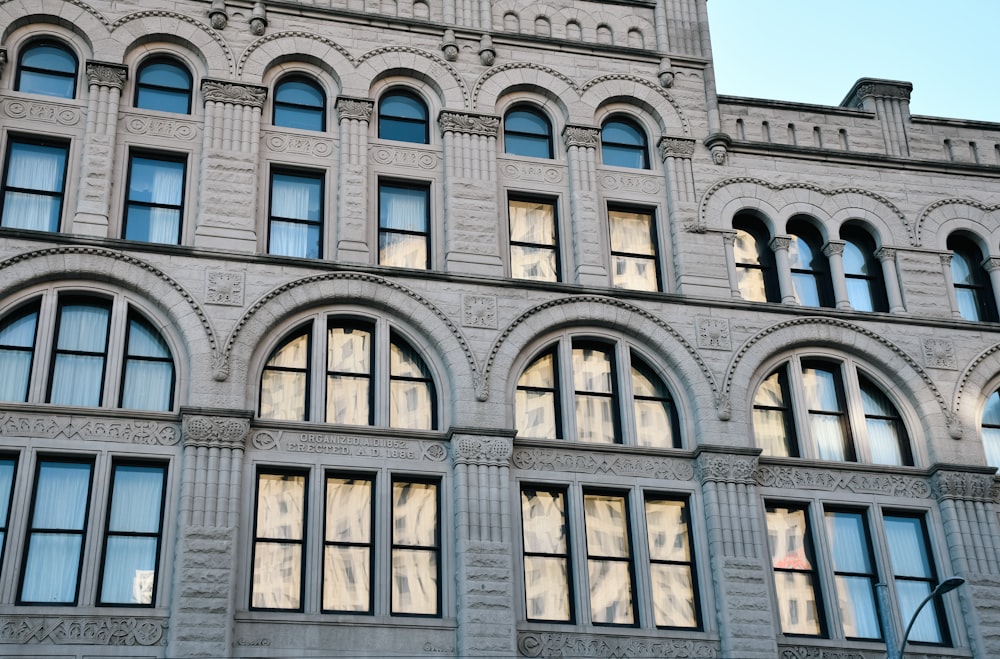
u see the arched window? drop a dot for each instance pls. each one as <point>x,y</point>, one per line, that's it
<point>844,415</point>
<point>527,132</point>
<point>755,271</point>
<point>973,291</point>
<point>598,391</point>
<point>163,84</point>
<point>810,270</point>
<point>103,354</point>
<point>623,144</point>
<point>342,369</point>
<point>402,116</point>
<point>862,271</point>
<point>991,429</point>
<point>299,103</point>
<point>47,67</point>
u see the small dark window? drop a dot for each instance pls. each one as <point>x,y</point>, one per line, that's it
<point>48,68</point>
<point>527,132</point>
<point>402,116</point>
<point>623,144</point>
<point>163,85</point>
<point>299,103</point>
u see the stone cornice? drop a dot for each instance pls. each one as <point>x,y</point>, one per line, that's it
<point>223,91</point>
<point>469,123</point>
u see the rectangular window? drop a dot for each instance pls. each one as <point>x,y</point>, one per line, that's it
<point>349,374</point>
<point>633,250</point>
<point>671,563</point>
<point>155,202</point>
<point>54,554</point>
<point>347,545</point>
<point>403,225</point>
<point>7,467</point>
<point>546,555</point>
<point>279,531</point>
<point>415,549</point>
<point>80,353</point>
<point>295,220</point>
<point>854,572</point>
<point>534,251</point>
<point>794,564</point>
<point>132,538</point>
<point>914,575</point>
<point>609,559</point>
<point>34,182</point>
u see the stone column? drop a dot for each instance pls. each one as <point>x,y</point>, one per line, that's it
<point>228,180</point>
<point>834,252</point>
<point>205,566</point>
<point>890,101</point>
<point>780,245</point>
<point>352,232</point>
<point>967,501</point>
<point>484,549</point>
<point>949,284</point>
<point>887,257</point>
<point>729,239</point>
<point>590,233</point>
<point>98,158</point>
<point>682,209</point>
<point>992,266</point>
<point>472,213</point>
<point>737,551</point>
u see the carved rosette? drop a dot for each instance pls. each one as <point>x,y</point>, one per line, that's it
<point>103,74</point>
<point>355,108</point>
<point>220,91</point>
<point>582,136</point>
<point>676,147</point>
<point>719,468</point>
<point>964,486</point>
<point>471,124</point>
<point>216,432</point>
<point>490,451</point>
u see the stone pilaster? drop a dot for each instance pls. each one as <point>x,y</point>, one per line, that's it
<point>354,115</point>
<point>890,101</point>
<point>588,235</point>
<point>741,575</point>
<point>93,195</point>
<point>485,578</point>
<point>205,566</point>
<point>229,177</point>
<point>471,224</point>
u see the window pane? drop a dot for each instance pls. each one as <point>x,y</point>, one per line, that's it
<point>546,563</point>
<point>156,181</point>
<point>299,104</point>
<point>607,538</point>
<point>403,251</point>
<point>78,373</point>
<point>164,86</point>
<point>610,592</point>
<point>280,506</point>
<point>403,208</point>
<point>133,535</point>
<point>410,405</point>
<point>851,551</point>
<point>666,525</point>
<point>633,250</point>
<point>296,197</point>
<point>129,570</point>
<point>17,342</point>
<point>592,370</point>
<point>795,580</point>
<point>402,117</point>
<point>536,413</point>
<point>414,548</point>
<point>348,538</point>
<point>673,596</point>
<point>414,507</point>
<point>348,510</point>
<point>346,579</point>
<point>135,501</point>
<point>278,535</point>
<point>544,519</point>
<point>771,418</point>
<point>527,145</point>
<point>47,69</point>
<point>33,188</point>
<point>6,485</point>
<point>149,371</point>
<point>277,570</point>
<point>857,607</point>
<point>347,400</point>
<point>349,350</point>
<point>607,525</point>
<point>283,395</point>
<point>414,582</point>
<point>50,571</point>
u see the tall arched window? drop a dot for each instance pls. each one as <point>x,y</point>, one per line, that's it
<point>843,416</point>
<point>595,390</point>
<point>527,132</point>
<point>623,144</point>
<point>755,271</point>
<point>354,371</point>
<point>810,269</point>
<point>299,103</point>
<point>47,67</point>
<point>973,291</point>
<point>991,429</point>
<point>163,84</point>
<point>402,116</point>
<point>862,271</point>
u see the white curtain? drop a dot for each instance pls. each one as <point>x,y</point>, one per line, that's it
<point>168,184</point>
<point>130,561</point>
<point>76,378</point>
<point>404,209</point>
<point>905,539</point>
<point>34,167</point>
<point>850,549</point>
<point>148,381</point>
<point>293,198</point>
<point>16,364</point>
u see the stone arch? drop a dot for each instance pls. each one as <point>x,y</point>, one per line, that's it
<point>947,215</point>
<point>639,91</point>
<point>416,63</point>
<point>537,96</point>
<point>91,26</point>
<point>502,9</point>
<point>912,381</point>
<point>791,198</point>
<point>142,26</point>
<point>499,80</point>
<point>978,378</point>
<point>278,47</point>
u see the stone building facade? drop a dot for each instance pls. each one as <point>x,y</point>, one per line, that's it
<point>358,328</point>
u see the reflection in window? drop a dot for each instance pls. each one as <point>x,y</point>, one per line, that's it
<point>295,221</point>
<point>633,250</point>
<point>299,103</point>
<point>415,549</point>
<point>609,559</point>
<point>671,563</point>
<point>347,545</point>
<point>534,253</point>
<point>863,272</point>
<point>854,573</point>
<point>623,144</point>
<point>973,290</point>
<point>155,199</point>
<point>279,530</point>
<point>47,68</point>
<point>756,275</point>
<point>810,270</point>
<point>546,555</point>
<point>794,566</point>
<point>33,185</point>
<point>403,219</point>
<point>527,132</point>
<point>402,116</point>
<point>991,428</point>
<point>163,84</point>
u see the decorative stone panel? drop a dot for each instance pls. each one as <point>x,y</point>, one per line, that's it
<point>939,353</point>
<point>157,127</point>
<point>323,443</point>
<point>479,311</point>
<point>221,91</point>
<point>53,426</point>
<point>50,113</point>
<point>223,287</point>
<point>578,462</point>
<point>82,630</point>
<point>806,478</point>
<point>471,124</point>
<point>215,431</point>
<point>554,644</point>
<point>713,333</point>
<point>105,74</point>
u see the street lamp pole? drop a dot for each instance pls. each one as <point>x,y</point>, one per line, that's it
<point>895,650</point>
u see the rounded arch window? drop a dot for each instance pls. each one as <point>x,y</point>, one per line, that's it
<point>973,291</point>
<point>809,266</point>
<point>862,271</point>
<point>348,370</point>
<point>402,116</point>
<point>299,102</point>
<point>827,409</point>
<point>756,275</point>
<point>163,84</point>
<point>47,67</point>
<point>596,390</point>
<point>527,132</point>
<point>991,429</point>
<point>623,144</point>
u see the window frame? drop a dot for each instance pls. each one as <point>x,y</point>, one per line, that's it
<point>637,148</point>
<point>14,140</point>
<point>141,86</point>
<point>422,123</point>
<point>320,112</point>
<point>816,271</point>
<point>873,281</point>
<point>384,232</point>
<point>554,248</point>
<point>162,157</point>
<point>766,265</point>
<point>980,287</point>
<point>48,73</point>
<point>809,549</point>
<point>530,137</point>
<point>618,281</point>
<point>256,539</point>
<point>303,175</point>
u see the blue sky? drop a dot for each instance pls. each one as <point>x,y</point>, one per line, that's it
<point>812,51</point>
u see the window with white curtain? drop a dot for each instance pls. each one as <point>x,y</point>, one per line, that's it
<point>103,353</point>
<point>404,225</point>
<point>155,204</point>
<point>348,370</point>
<point>378,548</point>
<point>990,426</point>
<point>295,219</point>
<point>34,183</point>
<point>827,409</point>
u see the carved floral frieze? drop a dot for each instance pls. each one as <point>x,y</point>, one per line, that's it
<point>471,124</point>
<point>403,157</point>
<point>215,431</point>
<point>713,333</point>
<point>806,478</point>
<point>616,182</point>
<point>479,311</point>
<point>52,426</point>
<point>809,652</point>
<point>552,644</point>
<point>82,630</point>
<point>726,468</point>
<point>222,287</point>
<point>494,451</point>
<point>317,147</point>
<point>50,113</point>
<point>157,127</point>
<point>221,91</point>
<point>531,172</point>
<point>543,459</point>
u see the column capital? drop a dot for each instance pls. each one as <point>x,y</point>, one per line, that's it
<point>729,237</point>
<point>583,136</point>
<point>355,108</point>
<point>106,74</point>
<point>965,485</point>
<point>469,123</point>
<point>468,448</point>
<point>833,247</point>
<point>215,430</point>
<point>991,263</point>
<point>884,254</point>
<point>224,91</point>
<point>878,89</point>
<point>676,147</point>
<point>945,259</point>
<point>781,242</point>
<point>726,464</point>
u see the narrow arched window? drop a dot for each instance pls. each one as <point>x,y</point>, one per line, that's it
<point>163,84</point>
<point>527,132</point>
<point>48,68</point>
<point>623,144</point>
<point>402,116</point>
<point>299,103</point>
<point>17,352</point>
<point>809,266</point>
<point>756,275</point>
<point>973,291</point>
<point>863,272</point>
<point>991,428</point>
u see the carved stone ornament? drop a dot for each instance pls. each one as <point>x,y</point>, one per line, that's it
<point>964,486</point>
<point>991,264</point>
<point>354,108</point>
<point>718,144</point>
<point>479,311</point>
<point>884,254</point>
<point>224,287</point>
<point>555,644</point>
<point>806,478</point>
<point>945,259</point>
<point>806,652</point>
<point>940,353</point>
<point>491,451</point>
<point>582,136</point>
<point>107,75</point>
<point>665,74</point>
<point>676,147</point>
<point>56,426</point>
<point>216,432</point>
<point>714,467</point>
<point>82,630</point>
<point>834,247</point>
<point>900,91</point>
<point>581,462</point>
<point>217,15</point>
<point>221,91</point>
<point>472,124</point>
<point>780,242</point>
<point>713,333</point>
<point>487,54</point>
<point>51,113</point>
<point>449,47</point>
<point>258,19</point>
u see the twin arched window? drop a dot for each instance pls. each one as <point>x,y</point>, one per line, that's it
<point>163,84</point>
<point>299,103</point>
<point>973,290</point>
<point>527,132</point>
<point>623,144</point>
<point>48,68</point>
<point>402,116</point>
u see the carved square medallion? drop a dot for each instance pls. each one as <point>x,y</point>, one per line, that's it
<point>224,288</point>
<point>713,333</point>
<point>939,353</point>
<point>479,311</point>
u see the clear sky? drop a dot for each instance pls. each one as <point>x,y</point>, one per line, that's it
<point>812,51</point>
